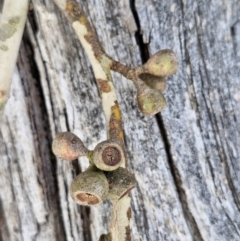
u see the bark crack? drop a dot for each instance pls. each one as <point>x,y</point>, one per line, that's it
<point>144,52</point>
<point>178,183</point>
<point>235,39</point>
<point>84,211</point>
<point>143,47</point>
<point>17,229</point>
<point>1,6</point>
<point>39,126</point>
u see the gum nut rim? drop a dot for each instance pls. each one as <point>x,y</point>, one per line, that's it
<point>89,188</point>
<point>108,155</point>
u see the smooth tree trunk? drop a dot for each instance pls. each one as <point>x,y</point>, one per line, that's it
<point>186,159</point>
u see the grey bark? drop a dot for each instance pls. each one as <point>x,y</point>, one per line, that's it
<point>186,159</point>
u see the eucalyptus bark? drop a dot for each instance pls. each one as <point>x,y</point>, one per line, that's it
<point>185,159</point>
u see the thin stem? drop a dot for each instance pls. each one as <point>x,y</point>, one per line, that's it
<point>12,22</point>
<point>125,70</point>
<point>102,64</point>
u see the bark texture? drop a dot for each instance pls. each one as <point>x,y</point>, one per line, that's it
<point>186,159</point>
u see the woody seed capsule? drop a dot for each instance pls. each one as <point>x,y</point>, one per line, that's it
<point>120,182</point>
<point>68,146</point>
<point>89,187</point>
<point>150,101</point>
<point>163,63</point>
<point>108,155</point>
<point>154,82</point>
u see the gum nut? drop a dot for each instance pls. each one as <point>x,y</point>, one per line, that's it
<point>68,146</point>
<point>163,63</point>
<point>150,101</point>
<point>121,182</point>
<point>89,187</point>
<point>154,82</point>
<point>108,155</point>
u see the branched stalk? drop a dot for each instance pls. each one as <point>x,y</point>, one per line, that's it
<point>101,64</point>
<point>12,22</point>
<point>149,80</point>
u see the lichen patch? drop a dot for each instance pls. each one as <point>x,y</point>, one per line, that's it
<point>6,31</point>
<point>73,10</point>
<point>128,233</point>
<point>14,21</point>
<point>115,124</point>
<point>103,85</point>
<point>129,213</point>
<point>4,47</point>
<point>2,94</point>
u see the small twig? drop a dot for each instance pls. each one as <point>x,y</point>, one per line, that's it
<point>12,21</point>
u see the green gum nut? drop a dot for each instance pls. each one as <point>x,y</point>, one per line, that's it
<point>154,82</point>
<point>68,146</point>
<point>163,63</point>
<point>150,101</point>
<point>121,182</point>
<point>89,187</point>
<point>108,155</point>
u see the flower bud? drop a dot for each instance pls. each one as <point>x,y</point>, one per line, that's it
<point>121,182</point>
<point>108,155</point>
<point>150,101</point>
<point>89,187</point>
<point>68,146</point>
<point>163,63</point>
<point>154,82</point>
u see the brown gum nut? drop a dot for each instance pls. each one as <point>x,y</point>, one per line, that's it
<point>120,182</point>
<point>89,187</point>
<point>154,82</point>
<point>68,146</point>
<point>163,63</point>
<point>108,155</point>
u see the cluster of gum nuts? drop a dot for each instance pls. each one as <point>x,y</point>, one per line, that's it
<point>150,81</point>
<point>104,179</point>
